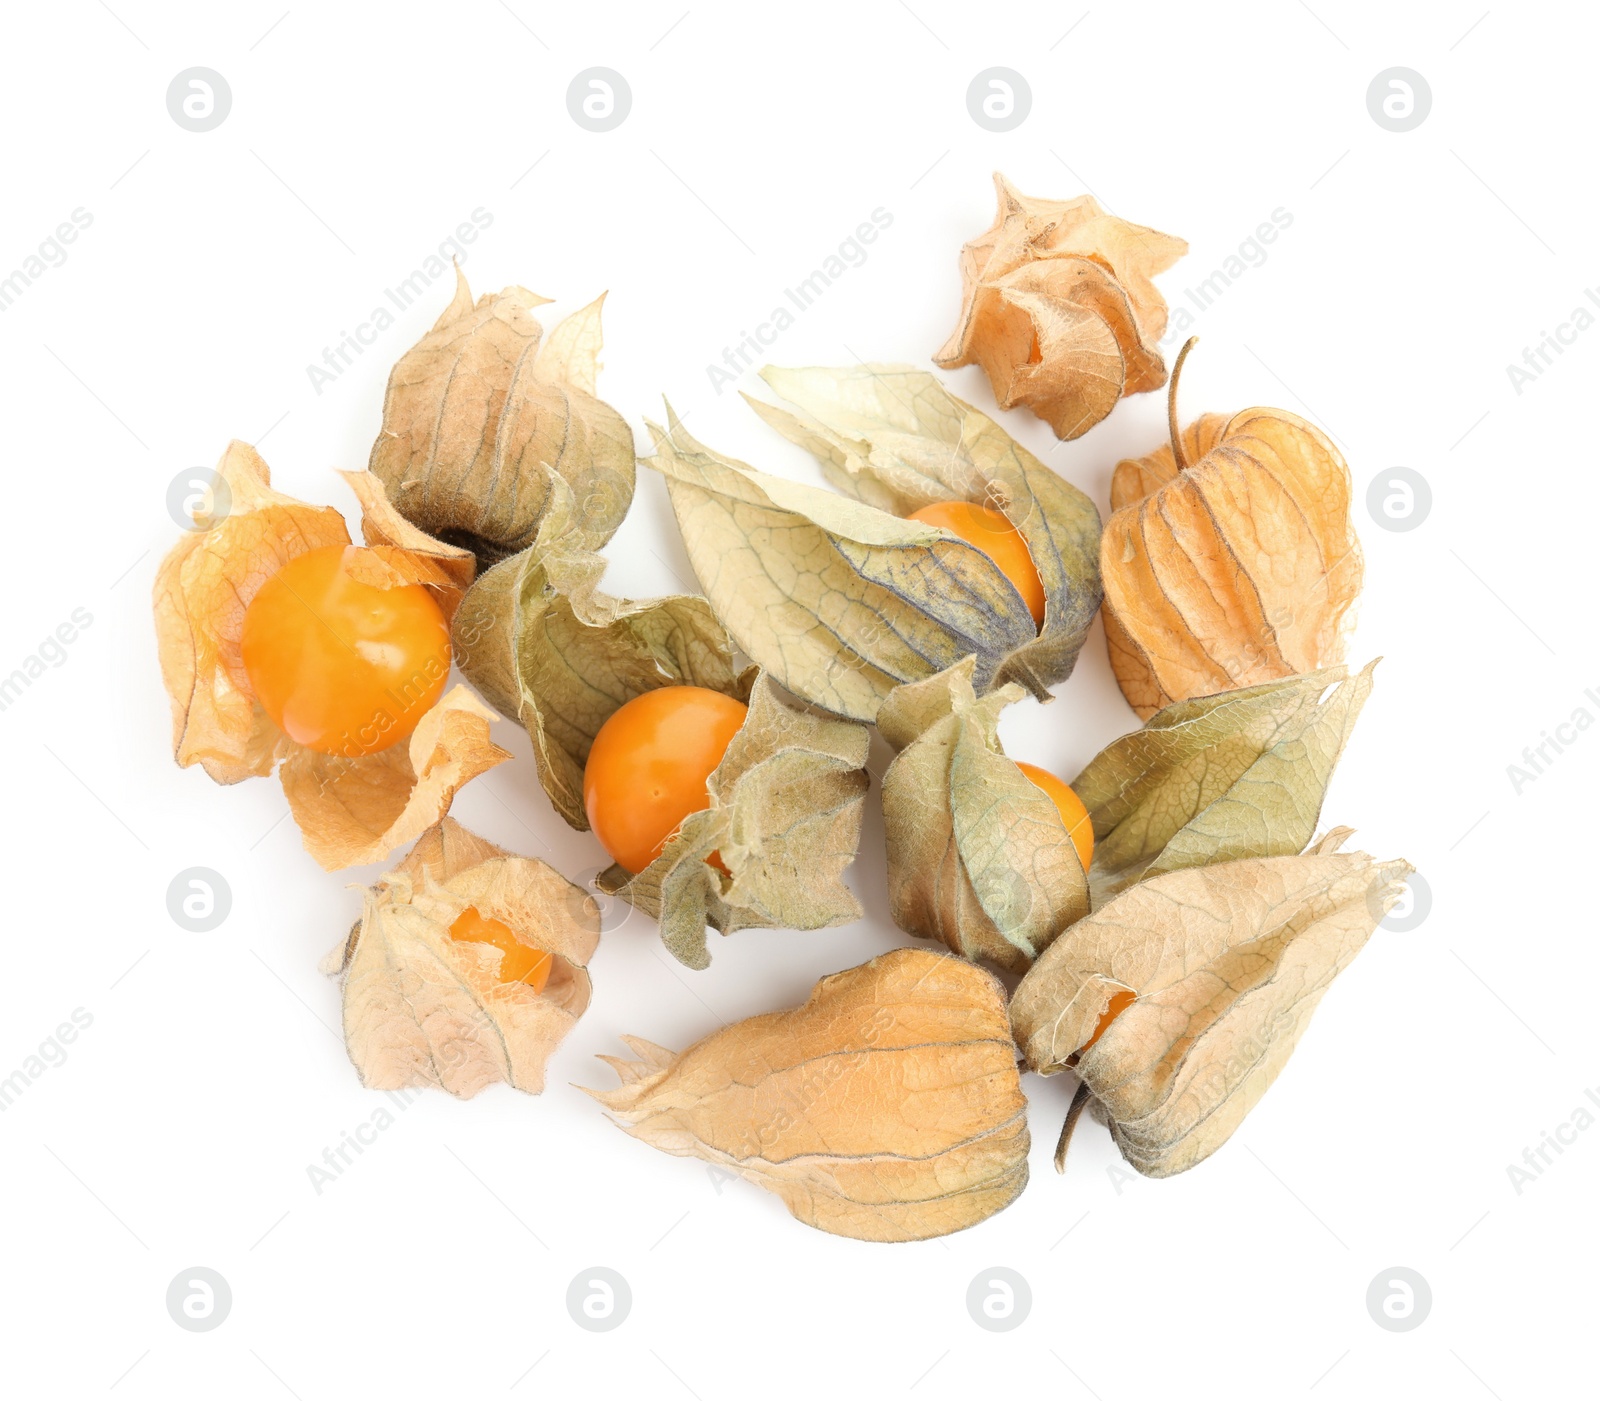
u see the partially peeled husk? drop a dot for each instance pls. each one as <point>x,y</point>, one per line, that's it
<point>424,1010</point>
<point>842,600</point>
<point>887,1107</point>
<point>485,414</point>
<point>784,820</point>
<point>350,811</point>
<point>537,637</point>
<point>1226,964</point>
<point>978,856</point>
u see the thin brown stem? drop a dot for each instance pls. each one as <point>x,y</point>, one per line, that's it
<point>1074,1110</point>
<point>1172,403</point>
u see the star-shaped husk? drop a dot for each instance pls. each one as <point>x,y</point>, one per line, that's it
<point>1230,558</point>
<point>978,856</point>
<point>1058,308</point>
<point>1219,778</point>
<point>485,414</point>
<point>547,648</point>
<point>1180,1001</point>
<point>350,811</point>
<point>784,821</point>
<point>842,599</point>
<point>424,1009</point>
<point>887,1107</point>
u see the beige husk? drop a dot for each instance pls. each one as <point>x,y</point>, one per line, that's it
<point>423,1009</point>
<point>784,819</point>
<point>978,856</point>
<point>887,1107</point>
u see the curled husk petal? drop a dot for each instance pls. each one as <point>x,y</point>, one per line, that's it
<point>423,1009</point>
<point>1226,963</point>
<point>1058,308</point>
<point>480,419</point>
<point>784,820</point>
<point>978,856</point>
<point>842,601</point>
<point>1219,778</point>
<point>547,648</point>
<point>887,1107</point>
<point>1238,568</point>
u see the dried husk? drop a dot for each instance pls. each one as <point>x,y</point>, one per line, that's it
<point>784,820</point>
<point>886,1108</point>
<point>422,1009</point>
<point>1219,778</point>
<point>547,648</point>
<point>1058,308</point>
<point>350,811</point>
<point>1232,563</point>
<point>895,438</point>
<point>484,414</point>
<point>1228,962</point>
<point>842,602</point>
<point>978,856</point>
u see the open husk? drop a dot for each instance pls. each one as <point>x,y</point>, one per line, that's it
<point>887,1107</point>
<point>1058,308</point>
<point>842,601</point>
<point>1230,558</point>
<point>350,811</point>
<point>784,820</point>
<point>1225,965</point>
<point>546,647</point>
<point>423,1009</point>
<point>978,856</point>
<point>485,413</point>
<point>1219,778</point>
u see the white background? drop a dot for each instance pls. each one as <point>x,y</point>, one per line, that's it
<point>218,265</point>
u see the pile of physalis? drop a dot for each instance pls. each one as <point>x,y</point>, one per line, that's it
<point>1162,927</point>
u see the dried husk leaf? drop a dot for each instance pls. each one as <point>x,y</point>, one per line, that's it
<point>894,437</point>
<point>479,421</point>
<point>843,602</point>
<point>1058,308</point>
<point>201,592</point>
<point>1239,567</point>
<point>537,637</point>
<point>887,1107</point>
<point>1219,778</point>
<point>354,811</point>
<point>784,819</point>
<point>423,1009</point>
<point>1228,963</point>
<point>978,857</point>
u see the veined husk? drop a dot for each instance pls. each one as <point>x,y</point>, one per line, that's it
<point>547,648</point>
<point>978,856</point>
<point>887,1107</point>
<point>1219,778</point>
<point>1227,963</point>
<point>350,811</point>
<point>423,1009</point>
<point>784,819</point>
<point>842,601</point>
<point>1058,308</point>
<point>480,419</point>
<point>1232,565</point>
